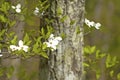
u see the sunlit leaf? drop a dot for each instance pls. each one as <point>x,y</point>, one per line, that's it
<point>44,55</point>
<point>14,40</point>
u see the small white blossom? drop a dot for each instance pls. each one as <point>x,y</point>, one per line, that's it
<point>0,54</point>
<point>97,25</point>
<point>25,48</point>
<point>13,7</point>
<point>17,8</point>
<point>92,24</point>
<point>18,5</point>
<point>20,43</point>
<point>19,47</point>
<point>51,45</point>
<point>13,47</point>
<point>58,38</point>
<point>36,11</point>
<point>53,42</point>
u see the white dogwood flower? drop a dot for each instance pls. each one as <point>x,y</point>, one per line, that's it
<point>97,25</point>
<point>92,24</point>
<point>17,8</point>
<point>53,42</point>
<point>36,11</point>
<point>13,47</point>
<point>19,47</point>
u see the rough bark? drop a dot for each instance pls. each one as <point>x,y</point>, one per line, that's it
<point>66,62</point>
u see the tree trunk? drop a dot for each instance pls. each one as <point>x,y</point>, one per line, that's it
<point>66,62</point>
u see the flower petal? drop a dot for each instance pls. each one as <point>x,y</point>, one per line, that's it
<point>25,48</point>
<point>51,36</point>
<point>13,47</point>
<point>18,5</point>
<point>20,43</point>
<point>13,7</point>
<point>58,38</point>
<point>18,10</point>
<point>97,26</point>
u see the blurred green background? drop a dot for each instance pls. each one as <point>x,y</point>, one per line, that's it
<point>107,12</point>
<point>107,39</point>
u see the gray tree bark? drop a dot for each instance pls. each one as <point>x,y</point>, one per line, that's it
<point>66,62</point>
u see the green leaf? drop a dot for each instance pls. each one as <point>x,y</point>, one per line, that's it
<point>26,38</point>
<point>100,55</point>
<point>98,74</point>
<point>14,40</point>
<point>12,23</point>
<point>10,71</point>
<point>2,32</point>
<point>111,73</point>
<point>35,47</point>
<point>42,31</point>
<point>44,46</point>
<point>44,55</point>
<point>5,7</point>
<point>93,49</point>
<point>11,34</point>
<point>86,64</point>
<point>89,49</point>
<point>118,76</point>
<point>3,18</point>
<point>111,61</point>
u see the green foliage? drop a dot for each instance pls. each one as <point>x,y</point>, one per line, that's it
<point>5,7</point>
<point>32,38</point>
<point>92,59</point>
<point>118,76</point>
<point>35,43</point>
<point>10,71</point>
<point>3,18</point>
<point>111,61</point>
<point>89,49</point>
<point>27,40</point>
<point>14,40</point>
<point>2,32</point>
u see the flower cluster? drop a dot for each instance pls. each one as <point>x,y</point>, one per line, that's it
<point>19,47</point>
<point>92,24</point>
<point>17,8</point>
<point>53,42</point>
